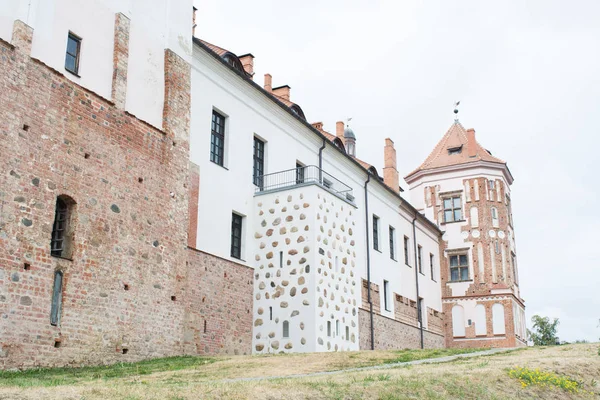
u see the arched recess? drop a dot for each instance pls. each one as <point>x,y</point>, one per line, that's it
<point>480,320</point>
<point>498,319</point>
<point>458,321</point>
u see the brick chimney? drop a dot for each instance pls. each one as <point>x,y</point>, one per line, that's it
<point>248,64</point>
<point>339,130</point>
<point>471,143</point>
<point>390,173</point>
<point>268,83</point>
<point>282,91</point>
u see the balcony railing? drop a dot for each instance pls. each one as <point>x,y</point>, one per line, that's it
<point>309,175</point>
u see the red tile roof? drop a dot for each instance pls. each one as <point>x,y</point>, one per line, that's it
<point>455,138</point>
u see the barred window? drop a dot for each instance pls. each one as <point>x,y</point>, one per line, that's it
<point>258,169</point>
<point>217,139</point>
<point>62,232</point>
<point>236,236</point>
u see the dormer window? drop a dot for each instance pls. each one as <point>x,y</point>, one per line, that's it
<point>455,150</point>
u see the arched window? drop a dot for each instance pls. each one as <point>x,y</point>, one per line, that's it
<point>498,319</point>
<point>232,60</point>
<point>480,320</point>
<point>61,244</point>
<point>339,144</point>
<point>495,223</point>
<point>286,329</point>
<point>56,298</point>
<point>458,321</point>
<point>298,111</point>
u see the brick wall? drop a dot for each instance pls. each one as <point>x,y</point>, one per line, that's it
<point>393,334</point>
<point>128,181</point>
<point>219,299</point>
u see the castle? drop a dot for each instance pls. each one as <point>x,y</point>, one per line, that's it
<point>155,200</point>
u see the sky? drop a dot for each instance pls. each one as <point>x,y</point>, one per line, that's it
<point>528,78</point>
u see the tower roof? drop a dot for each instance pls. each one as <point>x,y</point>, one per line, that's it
<point>454,149</point>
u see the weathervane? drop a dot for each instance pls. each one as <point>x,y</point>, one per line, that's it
<point>348,121</point>
<point>456,111</point>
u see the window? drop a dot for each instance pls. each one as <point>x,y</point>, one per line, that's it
<point>329,328</point>
<point>56,298</point>
<point>455,150</point>
<point>286,329</point>
<point>73,51</point>
<point>337,327</point>
<point>299,173</point>
<point>495,223</point>
<point>386,295</point>
<point>431,266</point>
<point>347,333</point>
<point>375,232</point>
<point>60,244</point>
<point>258,167</point>
<point>236,236</point>
<point>406,251</point>
<point>492,184</point>
<point>270,313</point>
<point>419,258</point>
<point>459,267</point>
<point>392,243</point>
<point>217,139</point>
<point>452,209</point>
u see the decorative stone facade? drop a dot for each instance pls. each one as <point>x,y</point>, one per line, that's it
<point>305,279</point>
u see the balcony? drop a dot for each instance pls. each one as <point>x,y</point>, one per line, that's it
<point>304,176</point>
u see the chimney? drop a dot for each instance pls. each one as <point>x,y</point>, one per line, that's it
<point>248,64</point>
<point>282,91</point>
<point>268,83</point>
<point>339,130</point>
<point>318,125</point>
<point>194,20</point>
<point>471,143</point>
<point>390,173</point>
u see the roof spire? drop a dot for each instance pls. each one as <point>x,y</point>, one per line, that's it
<point>456,104</point>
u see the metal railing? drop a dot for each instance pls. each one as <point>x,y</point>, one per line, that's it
<point>311,174</point>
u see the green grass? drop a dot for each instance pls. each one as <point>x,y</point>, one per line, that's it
<point>407,355</point>
<point>68,376</point>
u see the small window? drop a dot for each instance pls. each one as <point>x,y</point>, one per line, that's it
<point>56,298</point>
<point>270,313</point>
<point>455,150</point>
<point>406,251</point>
<point>392,243</point>
<point>492,184</point>
<point>459,268</point>
<point>431,266</point>
<point>337,327</point>
<point>217,139</point>
<point>62,230</point>
<point>420,310</point>
<point>236,236</point>
<point>386,295</point>
<point>419,258</point>
<point>286,329</point>
<point>347,333</point>
<point>329,328</point>
<point>452,209</point>
<point>375,232</point>
<point>258,168</point>
<point>299,173</point>
<point>495,222</point>
<point>73,52</point>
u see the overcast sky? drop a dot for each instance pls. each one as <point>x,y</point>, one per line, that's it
<point>528,78</point>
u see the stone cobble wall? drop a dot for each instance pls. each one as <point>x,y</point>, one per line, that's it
<point>219,303</point>
<point>391,334</point>
<point>124,284</point>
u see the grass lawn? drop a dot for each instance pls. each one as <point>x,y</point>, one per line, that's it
<point>484,377</point>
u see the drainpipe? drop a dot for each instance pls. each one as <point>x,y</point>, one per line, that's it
<point>369,262</point>
<point>321,161</point>
<point>419,311</point>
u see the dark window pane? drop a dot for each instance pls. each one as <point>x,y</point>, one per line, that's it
<point>465,274</point>
<point>236,236</point>
<point>454,274</point>
<point>72,45</point>
<point>457,202</point>
<point>70,63</point>
<point>457,215</point>
<point>463,260</point>
<point>448,216</point>
<point>453,261</point>
<point>447,204</point>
